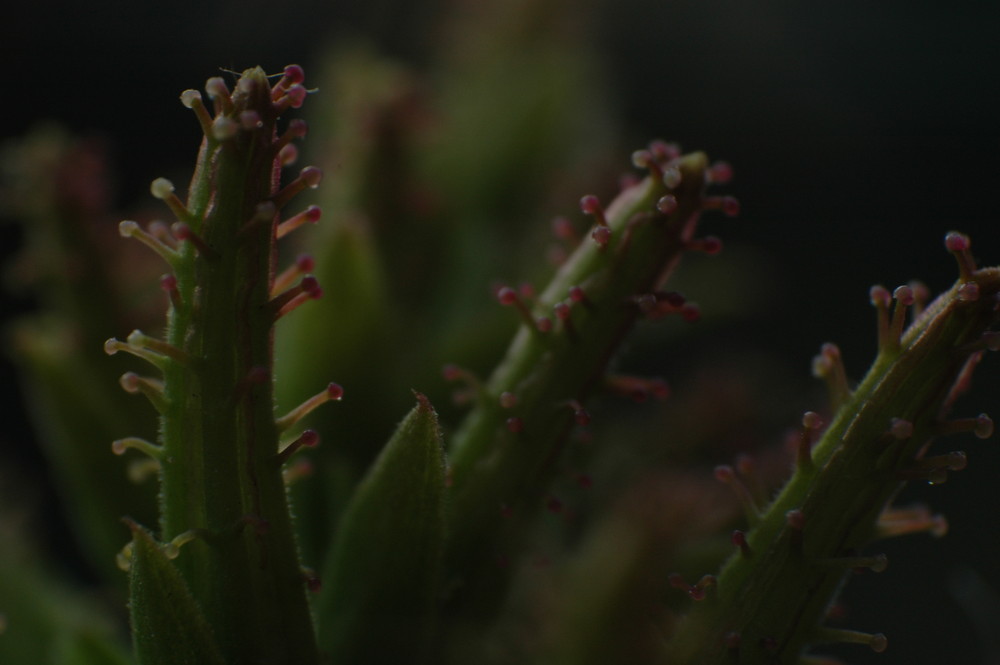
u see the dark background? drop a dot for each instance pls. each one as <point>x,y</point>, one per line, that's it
<point>860,132</point>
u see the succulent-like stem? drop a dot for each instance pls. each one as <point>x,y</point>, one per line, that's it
<point>502,455</point>
<point>775,590</point>
<point>220,463</point>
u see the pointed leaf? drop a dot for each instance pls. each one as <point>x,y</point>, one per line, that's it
<point>168,627</point>
<point>380,578</point>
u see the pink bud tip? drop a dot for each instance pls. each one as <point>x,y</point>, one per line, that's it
<point>690,312</point>
<point>968,292</point>
<point>730,206</point>
<point>168,283</point>
<point>309,438</point>
<point>724,473</point>
<point>601,235</point>
<point>720,172</point>
<point>313,213</point>
<point>880,296</point>
<point>957,242</point>
<point>310,286</point>
<point>288,154</point>
<point>739,539</point>
<point>576,294</point>
<point>297,96</point>
<point>563,228</point>
<point>903,295</point>
<point>298,128</point>
<point>335,392</point>
<point>590,204</point>
<point>182,231</point>
<point>314,584</point>
<point>667,204</point>
<point>562,311</point>
<point>311,176</point>
<point>664,151</point>
<point>305,263</point>
<point>294,74</point>
<point>507,296</point>
<point>711,245</point>
<point>544,324</point>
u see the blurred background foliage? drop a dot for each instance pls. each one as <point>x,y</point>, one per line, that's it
<point>452,132</point>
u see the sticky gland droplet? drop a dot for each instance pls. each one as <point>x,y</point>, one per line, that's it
<point>601,235</point>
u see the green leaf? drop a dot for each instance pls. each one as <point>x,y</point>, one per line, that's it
<point>168,627</point>
<point>380,577</point>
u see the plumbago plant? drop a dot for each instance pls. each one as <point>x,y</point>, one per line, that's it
<point>421,562</point>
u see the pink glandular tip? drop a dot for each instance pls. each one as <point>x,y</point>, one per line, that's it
<point>311,176</point>
<point>900,429</point>
<point>724,473</point>
<point>562,311</point>
<point>310,286</point>
<point>664,151</point>
<point>720,172</point>
<point>576,294</point>
<point>544,324</point>
<point>334,391</point>
<point>903,295</point>
<point>730,206</point>
<point>507,296</point>
<point>309,438</point>
<point>298,128</point>
<point>288,154</point>
<point>563,229</point>
<point>168,283</point>
<point>601,235</point>
<point>250,120</point>
<point>880,296</point>
<point>216,87</point>
<point>294,74</point>
<point>796,519</point>
<point>297,95</point>
<point>957,242</point>
<point>968,292</point>
<point>305,263</point>
<point>515,424</point>
<point>690,312</point>
<point>590,204</point>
